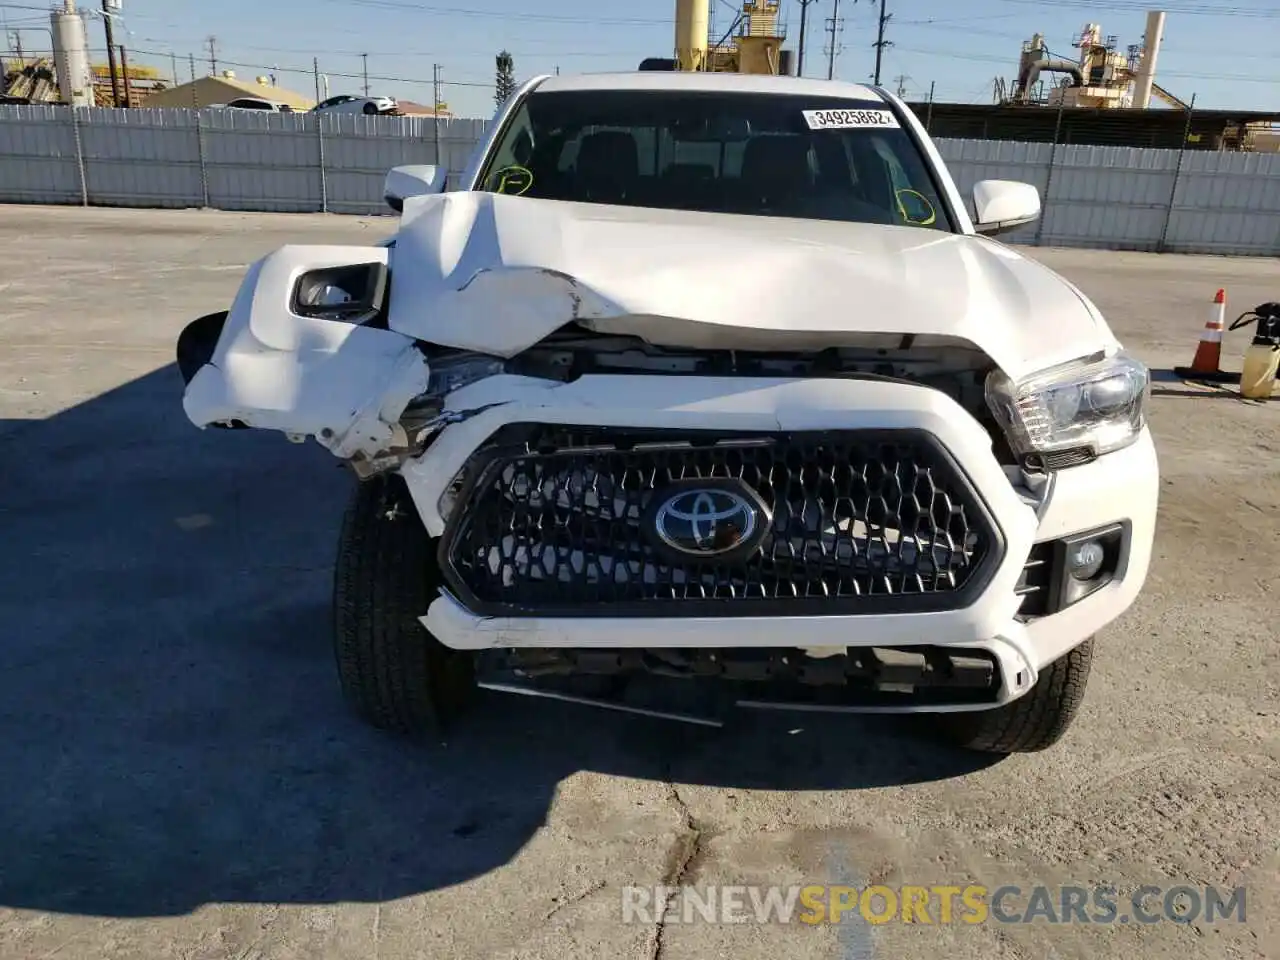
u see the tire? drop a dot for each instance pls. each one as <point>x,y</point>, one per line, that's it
<point>370,109</point>
<point>393,673</point>
<point>1036,720</point>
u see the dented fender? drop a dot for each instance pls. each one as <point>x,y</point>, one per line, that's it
<point>345,385</point>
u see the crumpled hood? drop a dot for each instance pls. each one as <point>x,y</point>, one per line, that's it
<point>496,274</point>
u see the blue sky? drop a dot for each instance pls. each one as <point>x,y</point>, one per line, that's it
<point>1221,50</point>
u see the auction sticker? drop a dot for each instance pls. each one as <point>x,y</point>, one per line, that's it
<point>849,119</point>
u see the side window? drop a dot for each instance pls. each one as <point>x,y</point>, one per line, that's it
<point>517,145</point>
<point>508,168</point>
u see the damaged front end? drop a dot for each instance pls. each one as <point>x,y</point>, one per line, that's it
<point>305,349</point>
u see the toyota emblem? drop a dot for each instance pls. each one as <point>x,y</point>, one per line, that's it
<point>709,519</point>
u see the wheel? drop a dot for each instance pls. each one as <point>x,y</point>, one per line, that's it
<point>370,108</point>
<point>1036,720</point>
<point>393,673</point>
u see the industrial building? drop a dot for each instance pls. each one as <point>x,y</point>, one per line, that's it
<point>752,44</point>
<point>1106,95</point>
<point>68,77</point>
<point>224,87</point>
<point>1114,127</point>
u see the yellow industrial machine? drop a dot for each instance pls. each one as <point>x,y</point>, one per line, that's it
<point>1102,78</point>
<point>755,47</point>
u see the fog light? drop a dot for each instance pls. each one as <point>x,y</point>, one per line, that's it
<point>1085,560</point>
<point>1089,561</point>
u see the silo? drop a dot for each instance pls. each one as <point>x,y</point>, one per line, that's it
<point>1145,78</point>
<point>71,56</point>
<point>692,18</point>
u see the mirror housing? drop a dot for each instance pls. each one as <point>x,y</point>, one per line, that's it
<point>417,180</point>
<point>1003,205</point>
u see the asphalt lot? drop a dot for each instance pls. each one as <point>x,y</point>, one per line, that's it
<point>178,777</point>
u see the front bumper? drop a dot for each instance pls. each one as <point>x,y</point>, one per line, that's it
<point>1121,487</point>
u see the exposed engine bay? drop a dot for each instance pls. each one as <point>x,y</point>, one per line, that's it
<point>957,371</point>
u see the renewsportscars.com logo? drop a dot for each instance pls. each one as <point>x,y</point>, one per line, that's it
<point>939,904</point>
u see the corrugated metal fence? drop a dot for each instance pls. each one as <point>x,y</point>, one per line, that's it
<point>225,159</point>
<point>1111,197</point>
<point>1126,198</point>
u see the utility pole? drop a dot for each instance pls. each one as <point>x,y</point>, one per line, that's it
<point>111,52</point>
<point>804,10</point>
<point>364,57</point>
<point>902,79</point>
<point>435,109</point>
<point>834,25</point>
<point>213,56</point>
<point>881,42</point>
<point>173,59</point>
<point>124,72</point>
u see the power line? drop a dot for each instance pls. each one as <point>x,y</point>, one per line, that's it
<point>343,76</point>
<point>1193,9</point>
<point>412,54</point>
<point>500,15</point>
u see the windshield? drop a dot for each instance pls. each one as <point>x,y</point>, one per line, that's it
<point>759,154</point>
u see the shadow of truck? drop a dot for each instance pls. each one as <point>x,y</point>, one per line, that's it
<point>174,730</point>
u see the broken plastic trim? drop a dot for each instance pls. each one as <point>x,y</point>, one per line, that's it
<point>415,429</point>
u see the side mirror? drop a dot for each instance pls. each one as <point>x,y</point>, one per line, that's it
<point>419,180</point>
<point>1003,205</point>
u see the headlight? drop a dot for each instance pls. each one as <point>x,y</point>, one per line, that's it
<point>452,372</point>
<point>1073,413</point>
<point>350,294</point>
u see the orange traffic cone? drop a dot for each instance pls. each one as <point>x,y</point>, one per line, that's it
<point>1205,365</point>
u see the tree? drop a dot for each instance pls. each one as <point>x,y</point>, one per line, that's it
<point>506,78</point>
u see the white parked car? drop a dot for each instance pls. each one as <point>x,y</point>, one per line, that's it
<point>349,104</point>
<point>708,376</point>
<point>253,103</point>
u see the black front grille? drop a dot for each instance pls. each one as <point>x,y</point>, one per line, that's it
<point>558,522</point>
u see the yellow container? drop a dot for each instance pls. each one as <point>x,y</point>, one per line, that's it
<point>1258,376</point>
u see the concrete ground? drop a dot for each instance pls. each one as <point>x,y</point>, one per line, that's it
<point>178,777</point>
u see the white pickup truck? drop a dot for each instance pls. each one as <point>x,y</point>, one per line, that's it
<point>714,377</point>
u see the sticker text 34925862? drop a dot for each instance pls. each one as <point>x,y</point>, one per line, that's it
<point>849,119</point>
